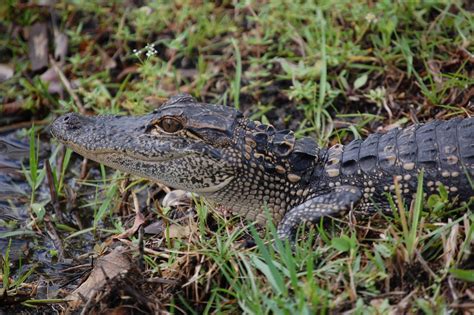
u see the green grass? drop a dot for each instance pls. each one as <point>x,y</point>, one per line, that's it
<point>10,284</point>
<point>333,70</point>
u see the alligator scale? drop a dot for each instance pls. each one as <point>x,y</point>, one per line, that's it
<point>247,166</point>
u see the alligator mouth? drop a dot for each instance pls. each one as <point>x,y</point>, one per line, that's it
<point>118,160</point>
<point>100,155</point>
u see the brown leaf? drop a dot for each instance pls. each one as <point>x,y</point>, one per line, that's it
<point>54,82</point>
<point>139,220</point>
<point>38,46</point>
<point>105,269</point>
<point>107,61</point>
<point>61,42</point>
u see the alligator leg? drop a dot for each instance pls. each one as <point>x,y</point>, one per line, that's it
<point>334,203</point>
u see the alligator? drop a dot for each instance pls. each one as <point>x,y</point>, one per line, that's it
<point>258,171</point>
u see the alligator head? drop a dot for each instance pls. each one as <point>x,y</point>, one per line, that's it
<point>208,149</point>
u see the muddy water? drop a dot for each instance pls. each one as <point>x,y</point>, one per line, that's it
<point>14,197</point>
<point>22,226</point>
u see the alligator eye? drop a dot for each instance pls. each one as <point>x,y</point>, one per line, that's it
<point>170,125</point>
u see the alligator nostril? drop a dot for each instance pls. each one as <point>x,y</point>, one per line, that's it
<point>71,121</point>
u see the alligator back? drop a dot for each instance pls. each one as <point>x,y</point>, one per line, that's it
<point>443,149</point>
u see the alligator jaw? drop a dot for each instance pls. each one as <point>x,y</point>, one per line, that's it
<point>103,155</point>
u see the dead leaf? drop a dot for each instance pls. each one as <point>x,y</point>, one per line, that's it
<point>450,246</point>
<point>54,82</point>
<point>38,46</point>
<point>139,220</point>
<point>182,231</point>
<point>156,227</point>
<point>107,61</point>
<point>105,269</point>
<point>177,198</point>
<point>6,72</point>
<point>61,42</point>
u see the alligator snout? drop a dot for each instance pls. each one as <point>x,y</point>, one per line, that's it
<point>70,121</point>
<point>107,132</point>
<point>67,123</point>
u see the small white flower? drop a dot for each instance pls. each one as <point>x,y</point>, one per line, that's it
<point>150,50</point>
<point>371,18</point>
<point>137,53</point>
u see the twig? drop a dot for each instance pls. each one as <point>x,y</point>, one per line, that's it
<point>24,124</point>
<point>12,108</point>
<point>67,85</point>
<point>53,234</point>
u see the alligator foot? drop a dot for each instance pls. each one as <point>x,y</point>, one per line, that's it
<point>332,204</point>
